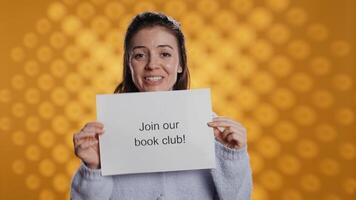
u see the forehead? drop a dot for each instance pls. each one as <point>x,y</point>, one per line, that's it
<point>154,36</point>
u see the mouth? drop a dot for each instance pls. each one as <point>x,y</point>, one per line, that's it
<point>153,80</point>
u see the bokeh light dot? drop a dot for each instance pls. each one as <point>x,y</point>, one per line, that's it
<point>271,180</point>
<point>114,10</point>
<point>85,10</point>
<point>58,68</point>
<point>347,150</point>
<point>100,25</point>
<point>74,82</point>
<point>320,65</point>
<point>30,40</point>
<point>45,82</point>
<point>260,18</point>
<point>288,164</point>
<point>18,110</point>
<point>304,115</point>
<point>207,7</point>
<point>259,192</point>
<point>58,40</point>
<point>329,167</point>
<point>33,152</point>
<point>307,148</point>
<point>299,49</point>
<point>285,131</point>
<point>322,98</point>
<point>43,26</point>
<point>59,96</point>
<point>244,35</point>
<point>317,32</point>
<point>280,66</point>
<point>349,185</point>
<point>242,6</point>
<point>60,153</point>
<point>46,110</point>
<point>310,183</point>
<point>342,82</point>
<point>265,114</point>
<point>5,95</point>
<point>283,98</point>
<point>44,54</point>
<point>5,124</point>
<point>18,81</point>
<point>72,166</point>
<point>31,68</point>
<point>247,98</point>
<point>18,167</point>
<point>18,138</point>
<point>278,33</point>
<point>71,24</point>
<point>340,48</point>
<point>268,147</point>
<point>60,182</point>
<point>263,82</point>
<point>56,11</point>
<point>73,110</point>
<point>261,50</point>
<point>73,54</point>
<point>345,116</point>
<point>47,168</point>
<point>47,194</point>
<point>32,95</point>
<point>325,132</point>
<point>291,194</point>
<point>60,125</point>
<point>33,181</point>
<point>296,16</point>
<point>301,82</point>
<point>277,5</point>
<point>18,54</point>
<point>257,162</point>
<point>46,138</point>
<point>33,124</point>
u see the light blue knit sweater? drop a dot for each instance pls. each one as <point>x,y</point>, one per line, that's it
<point>231,180</point>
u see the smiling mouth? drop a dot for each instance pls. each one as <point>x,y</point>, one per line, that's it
<point>153,78</point>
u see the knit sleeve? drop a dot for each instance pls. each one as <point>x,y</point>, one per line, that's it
<point>232,176</point>
<point>88,184</point>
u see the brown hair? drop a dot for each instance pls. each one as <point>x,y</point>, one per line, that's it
<point>150,19</point>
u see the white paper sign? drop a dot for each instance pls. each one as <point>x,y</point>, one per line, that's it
<point>156,131</point>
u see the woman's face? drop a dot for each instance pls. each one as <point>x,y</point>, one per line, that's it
<point>154,59</point>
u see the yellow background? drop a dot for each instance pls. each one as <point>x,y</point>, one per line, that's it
<point>285,69</point>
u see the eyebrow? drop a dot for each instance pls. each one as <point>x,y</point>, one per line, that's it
<point>162,45</point>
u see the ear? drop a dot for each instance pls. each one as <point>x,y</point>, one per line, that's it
<point>180,69</point>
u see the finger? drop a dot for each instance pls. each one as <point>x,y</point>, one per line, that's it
<point>94,124</point>
<point>86,134</point>
<point>88,144</point>
<point>83,140</point>
<point>92,128</point>
<point>221,118</point>
<point>226,132</point>
<point>220,124</point>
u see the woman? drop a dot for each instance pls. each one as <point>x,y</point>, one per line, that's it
<point>155,60</point>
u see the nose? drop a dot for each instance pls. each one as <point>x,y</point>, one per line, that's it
<point>153,62</point>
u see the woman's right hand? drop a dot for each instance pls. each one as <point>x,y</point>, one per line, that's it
<point>86,144</point>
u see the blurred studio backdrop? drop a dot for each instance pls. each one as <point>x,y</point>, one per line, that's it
<point>284,68</point>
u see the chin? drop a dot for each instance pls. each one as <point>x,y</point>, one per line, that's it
<point>155,89</point>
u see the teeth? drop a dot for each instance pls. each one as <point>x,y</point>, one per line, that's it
<point>153,78</point>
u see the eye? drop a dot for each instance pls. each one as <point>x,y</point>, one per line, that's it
<point>165,54</point>
<point>138,56</point>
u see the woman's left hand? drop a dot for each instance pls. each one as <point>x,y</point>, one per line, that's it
<point>228,132</point>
